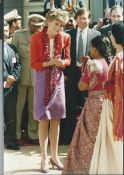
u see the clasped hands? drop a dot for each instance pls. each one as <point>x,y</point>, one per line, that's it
<point>57,61</point>
<point>9,82</point>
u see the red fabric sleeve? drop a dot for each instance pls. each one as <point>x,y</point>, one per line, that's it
<point>86,77</point>
<point>35,60</point>
<point>110,84</point>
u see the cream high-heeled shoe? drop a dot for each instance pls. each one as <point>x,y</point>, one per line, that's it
<point>44,166</point>
<point>53,163</point>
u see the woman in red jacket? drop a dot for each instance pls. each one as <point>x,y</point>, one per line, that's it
<point>49,96</point>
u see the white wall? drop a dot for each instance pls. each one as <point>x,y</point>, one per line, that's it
<point>96,7</point>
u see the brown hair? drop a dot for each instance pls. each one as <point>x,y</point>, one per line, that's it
<point>116,7</point>
<point>81,11</point>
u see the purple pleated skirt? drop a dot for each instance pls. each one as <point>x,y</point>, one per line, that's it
<point>56,106</point>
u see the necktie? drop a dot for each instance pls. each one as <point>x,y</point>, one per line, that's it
<point>80,48</point>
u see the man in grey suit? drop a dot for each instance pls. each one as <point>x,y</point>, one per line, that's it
<point>80,44</point>
<point>21,39</point>
<point>11,73</point>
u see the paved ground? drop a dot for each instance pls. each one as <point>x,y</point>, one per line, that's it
<point>27,161</point>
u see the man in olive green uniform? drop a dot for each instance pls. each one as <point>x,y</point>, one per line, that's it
<point>21,39</point>
<point>14,21</point>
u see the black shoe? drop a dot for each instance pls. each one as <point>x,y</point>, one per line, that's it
<point>19,142</point>
<point>12,146</point>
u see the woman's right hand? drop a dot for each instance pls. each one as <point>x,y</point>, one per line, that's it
<point>57,61</point>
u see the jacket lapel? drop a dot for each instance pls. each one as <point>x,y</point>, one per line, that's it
<point>89,36</point>
<point>10,57</point>
<point>6,55</point>
<point>74,47</point>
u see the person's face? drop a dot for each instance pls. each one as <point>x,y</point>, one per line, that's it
<point>70,24</point>
<point>6,32</point>
<point>100,23</point>
<point>116,15</point>
<point>55,27</point>
<point>94,53</point>
<point>33,29</point>
<point>83,20</point>
<point>17,24</point>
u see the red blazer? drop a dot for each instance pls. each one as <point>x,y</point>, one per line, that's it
<point>36,50</point>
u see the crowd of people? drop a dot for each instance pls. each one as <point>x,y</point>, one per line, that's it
<point>69,73</point>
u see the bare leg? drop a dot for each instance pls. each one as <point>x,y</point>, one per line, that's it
<point>54,138</point>
<point>43,137</point>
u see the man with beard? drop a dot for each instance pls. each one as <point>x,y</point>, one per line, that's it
<point>14,21</point>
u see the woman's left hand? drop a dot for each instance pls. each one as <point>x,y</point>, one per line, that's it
<point>59,62</point>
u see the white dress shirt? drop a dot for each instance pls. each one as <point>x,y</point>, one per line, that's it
<point>51,48</point>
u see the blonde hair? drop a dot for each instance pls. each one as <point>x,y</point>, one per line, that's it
<point>58,15</point>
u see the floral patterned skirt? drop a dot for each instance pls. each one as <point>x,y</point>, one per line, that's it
<point>82,145</point>
<point>108,153</point>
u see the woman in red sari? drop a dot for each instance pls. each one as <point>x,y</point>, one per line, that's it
<point>93,79</point>
<point>49,95</point>
<point>108,151</point>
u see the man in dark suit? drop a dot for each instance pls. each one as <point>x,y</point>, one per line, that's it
<point>11,73</point>
<point>74,98</point>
